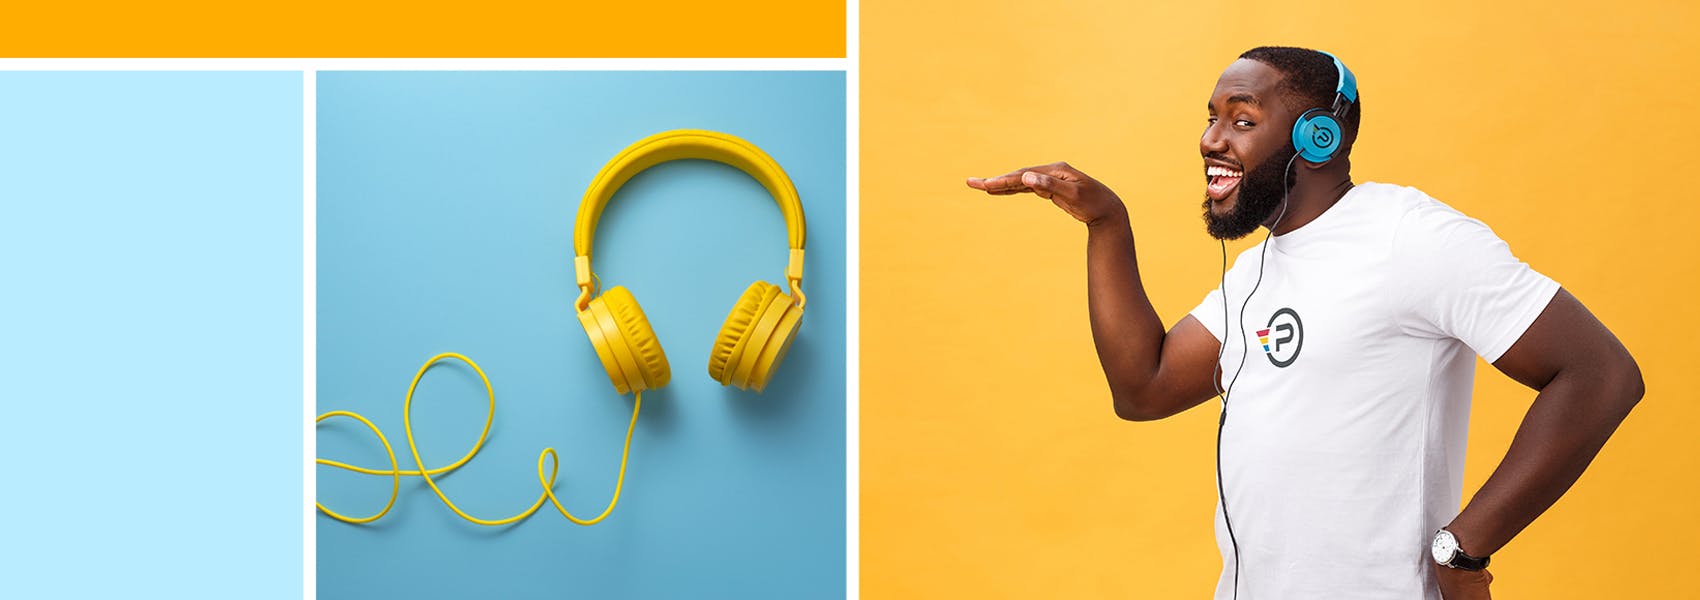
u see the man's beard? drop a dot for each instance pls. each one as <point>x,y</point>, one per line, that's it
<point>1260,194</point>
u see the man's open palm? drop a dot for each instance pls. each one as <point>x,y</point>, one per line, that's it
<point>1071,190</point>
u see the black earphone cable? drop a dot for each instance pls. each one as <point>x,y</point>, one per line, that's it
<point>1215,381</point>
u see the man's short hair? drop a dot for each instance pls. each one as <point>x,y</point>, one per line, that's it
<point>1309,80</point>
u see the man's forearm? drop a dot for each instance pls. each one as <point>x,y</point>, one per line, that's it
<point>1569,422</point>
<point>1125,328</point>
<point>1152,374</point>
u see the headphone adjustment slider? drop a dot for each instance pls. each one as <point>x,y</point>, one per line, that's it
<point>794,275</point>
<point>581,272</point>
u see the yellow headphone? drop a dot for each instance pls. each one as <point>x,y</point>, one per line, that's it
<point>750,345</point>
<point>758,331</point>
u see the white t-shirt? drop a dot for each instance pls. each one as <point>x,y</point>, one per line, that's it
<point>1343,450</point>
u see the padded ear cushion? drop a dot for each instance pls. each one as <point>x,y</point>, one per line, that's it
<point>738,323</point>
<point>745,335</point>
<point>639,337</point>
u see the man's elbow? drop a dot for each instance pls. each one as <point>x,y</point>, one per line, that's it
<point>1627,382</point>
<point>1136,405</point>
<point>1616,384</point>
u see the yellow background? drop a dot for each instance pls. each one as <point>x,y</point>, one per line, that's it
<point>424,28</point>
<point>992,465</point>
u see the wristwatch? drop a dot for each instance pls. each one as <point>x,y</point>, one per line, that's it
<point>1446,552</point>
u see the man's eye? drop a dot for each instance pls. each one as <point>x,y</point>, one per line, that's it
<point>1212,120</point>
<point>1243,123</point>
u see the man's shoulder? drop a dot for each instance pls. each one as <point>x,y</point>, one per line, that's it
<point>1419,219</point>
<point>1399,200</point>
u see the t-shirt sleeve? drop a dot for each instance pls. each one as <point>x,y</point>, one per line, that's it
<point>1459,280</point>
<point>1209,312</point>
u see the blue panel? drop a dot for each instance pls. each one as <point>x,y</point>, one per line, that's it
<point>150,334</point>
<point>446,204</point>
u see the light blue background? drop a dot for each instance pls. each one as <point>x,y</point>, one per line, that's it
<point>445,211</point>
<point>150,335</point>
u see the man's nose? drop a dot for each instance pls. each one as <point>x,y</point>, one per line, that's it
<point>1212,141</point>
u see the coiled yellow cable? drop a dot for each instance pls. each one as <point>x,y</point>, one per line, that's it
<point>395,473</point>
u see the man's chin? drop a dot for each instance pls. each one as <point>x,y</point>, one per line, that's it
<point>1222,221</point>
<point>1226,236</point>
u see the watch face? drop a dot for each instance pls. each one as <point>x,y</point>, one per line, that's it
<point>1444,547</point>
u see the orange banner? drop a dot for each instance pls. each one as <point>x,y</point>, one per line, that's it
<point>428,29</point>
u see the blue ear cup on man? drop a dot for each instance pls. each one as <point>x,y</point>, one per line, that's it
<point>1316,135</point>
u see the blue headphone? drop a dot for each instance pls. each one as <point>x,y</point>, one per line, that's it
<point>1317,133</point>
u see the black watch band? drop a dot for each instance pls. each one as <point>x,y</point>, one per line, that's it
<point>1460,560</point>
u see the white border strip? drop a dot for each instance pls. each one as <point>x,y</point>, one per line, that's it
<point>852,299</point>
<point>309,329</point>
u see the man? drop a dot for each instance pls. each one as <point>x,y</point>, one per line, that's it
<point>1344,346</point>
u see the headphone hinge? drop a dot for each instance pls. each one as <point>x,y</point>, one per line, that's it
<point>794,275</point>
<point>586,287</point>
<point>1341,105</point>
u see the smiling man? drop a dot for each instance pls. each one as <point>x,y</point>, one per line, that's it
<point>1343,346</point>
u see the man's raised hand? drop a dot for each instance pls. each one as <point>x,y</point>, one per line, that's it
<point>1077,194</point>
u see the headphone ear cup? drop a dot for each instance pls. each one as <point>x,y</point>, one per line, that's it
<point>776,343</point>
<point>732,333</point>
<point>755,357</point>
<point>1316,136</point>
<point>625,342</point>
<point>756,335</point>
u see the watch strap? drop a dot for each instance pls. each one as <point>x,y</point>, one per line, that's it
<point>1460,560</point>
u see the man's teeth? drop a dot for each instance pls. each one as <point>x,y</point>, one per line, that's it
<point>1215,171</point>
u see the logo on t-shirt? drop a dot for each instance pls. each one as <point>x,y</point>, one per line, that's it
<point>1284,337</point>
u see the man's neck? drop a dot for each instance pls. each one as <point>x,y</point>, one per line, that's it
<point>1311,197</point>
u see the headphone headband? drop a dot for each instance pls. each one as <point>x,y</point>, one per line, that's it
<point>1346,88</point>
<point>685,144</point>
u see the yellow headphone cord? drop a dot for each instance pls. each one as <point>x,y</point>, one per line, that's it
<point>395,472</point>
